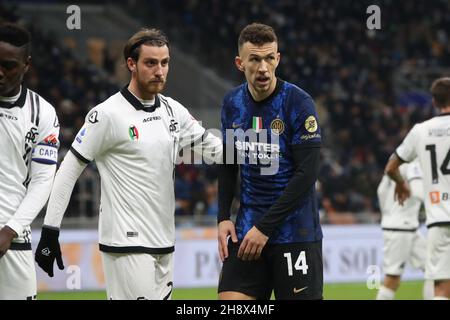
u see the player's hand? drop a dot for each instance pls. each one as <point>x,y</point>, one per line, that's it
<point>48,250</point>
<point>402,192</point>
<point>252,245</point>
<point>6,236</point>
<point>226,228</point>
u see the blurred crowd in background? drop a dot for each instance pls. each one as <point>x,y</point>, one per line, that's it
<point>325,49</point>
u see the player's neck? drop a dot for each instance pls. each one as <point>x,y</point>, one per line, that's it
<point>13,95</point>
<point>261,96</point>
<point>140,94</point>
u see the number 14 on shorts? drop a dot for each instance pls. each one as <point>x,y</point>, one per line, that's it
<point>300,263</point>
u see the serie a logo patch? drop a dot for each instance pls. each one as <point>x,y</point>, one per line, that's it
<point>311,124</point>
<point>133,133</point>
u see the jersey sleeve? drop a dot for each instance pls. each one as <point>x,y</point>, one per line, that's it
<point>304,121</point>
<point>94,137</point>
<point>191,130</point>
<point>46,149</point>
<point>414,171</point>
<point>407,150</point>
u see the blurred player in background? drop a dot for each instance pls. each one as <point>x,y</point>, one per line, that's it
<point>134,137</point>
<point>429,141</point>
<point>402,241</point>
<point>29,132</point>
<point>277,242</point>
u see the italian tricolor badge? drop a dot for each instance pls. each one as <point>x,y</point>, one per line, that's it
<point>257,124</point>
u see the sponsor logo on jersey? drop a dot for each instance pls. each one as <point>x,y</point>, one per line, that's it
<point>56,122</point>
<point>151,119</point>
<point>277,126</point>
<point>310,136</point>
<point>51,139</point>
<point>257,124</point>
<point>236,125</point>
<point>311,124</point>
<point>435,197</point>
<point>93,117</point>
<point>8,116</point>
<point>133,132</point>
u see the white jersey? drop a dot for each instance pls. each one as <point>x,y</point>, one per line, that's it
<point>430,143</point>
<point>401,217</point>
<point>28,132</point>
<point>135,151</point>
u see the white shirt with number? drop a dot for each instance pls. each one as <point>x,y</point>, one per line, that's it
<point>401,217</point>
<point>429,141</point>
<point>135,151</point>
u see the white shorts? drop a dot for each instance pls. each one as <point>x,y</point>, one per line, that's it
<point>401,247</point>
<point>17,275</point>
<point>138,276</point>
<point>438,253</point>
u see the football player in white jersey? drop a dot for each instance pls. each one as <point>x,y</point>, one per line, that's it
<point>429,141</point>
<point>402,241</point>
<point>29,133</point>
<point>134,137</point>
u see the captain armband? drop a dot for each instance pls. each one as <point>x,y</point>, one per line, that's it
<point>46,152</point>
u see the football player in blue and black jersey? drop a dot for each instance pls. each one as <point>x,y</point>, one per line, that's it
<point>272,137</point>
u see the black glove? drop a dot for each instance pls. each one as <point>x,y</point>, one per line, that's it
<point>48,250</point>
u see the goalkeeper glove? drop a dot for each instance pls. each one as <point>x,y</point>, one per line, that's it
<point>48,250</point>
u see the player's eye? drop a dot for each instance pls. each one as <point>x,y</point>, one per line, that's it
<point>8,65</point>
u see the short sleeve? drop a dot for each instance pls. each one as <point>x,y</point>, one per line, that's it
<point>414,171</point>
<point>46,149</point>
<point>304,121</point>
<point>94,137</point>
<point>190,129</point>
<point>407,150</point>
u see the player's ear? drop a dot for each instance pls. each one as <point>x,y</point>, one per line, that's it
<point>27,63</point>
<point>131,64</point>
<point>239,64</point>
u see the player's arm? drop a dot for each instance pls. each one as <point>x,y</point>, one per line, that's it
<point>402,190</point>
<point>227,184</point>
<point>42,170</point>
<point>194,136</point>
<point>37,194</point>
<point>48,249</point>
<point>94,138</point>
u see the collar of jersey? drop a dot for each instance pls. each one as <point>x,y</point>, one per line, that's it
<point>18,103</point>
<point>273,94</point>
<point>444,114</point>
<point>136,103</point>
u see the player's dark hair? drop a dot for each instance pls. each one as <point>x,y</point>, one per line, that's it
<point>152,37</point>
<point>440,90</point>
<point>257,34</point>
<point>17,36</point>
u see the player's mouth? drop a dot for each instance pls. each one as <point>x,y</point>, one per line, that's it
<point>262,80</point>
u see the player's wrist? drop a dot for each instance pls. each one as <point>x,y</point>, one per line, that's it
<point>9,232</point>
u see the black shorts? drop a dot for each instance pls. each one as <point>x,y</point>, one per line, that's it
<point>294,271</point>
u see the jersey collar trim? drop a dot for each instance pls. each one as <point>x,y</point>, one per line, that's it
<point>19,102</point>
<point>273,94</point>
<point>444,114</point>
<point>136,103</point>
